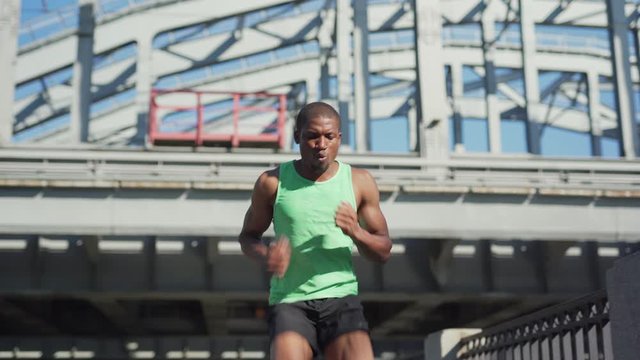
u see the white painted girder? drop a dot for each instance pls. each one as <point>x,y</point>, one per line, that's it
<point>9,30</point>
<point>381,107</point>
<point>275,80</point>
<point>552,12</point>
<point>390,16</point>
<point>383,63</point>
<point>58,98</point>
<point>116,127</point>
<point>182,56</point>
<point>109,35</point>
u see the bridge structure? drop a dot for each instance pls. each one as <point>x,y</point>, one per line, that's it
<point>107,216</point>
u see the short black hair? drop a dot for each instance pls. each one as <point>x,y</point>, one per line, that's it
<point>313,110</point>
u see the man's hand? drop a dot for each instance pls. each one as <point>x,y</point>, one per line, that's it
<point>347,219</point>
<point>278,256</point>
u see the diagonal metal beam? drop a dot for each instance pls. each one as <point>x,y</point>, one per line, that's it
<point>392,19</point>
<point>119,316</point>
<point>13,314</point>
<point>407,318</point>
<point>553,86</point>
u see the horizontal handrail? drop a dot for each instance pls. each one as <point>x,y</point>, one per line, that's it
<point>200,136</point>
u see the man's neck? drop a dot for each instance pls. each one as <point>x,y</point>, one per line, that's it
<point>310,173</point>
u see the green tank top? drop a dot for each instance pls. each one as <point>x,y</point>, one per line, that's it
<point>304,211</point>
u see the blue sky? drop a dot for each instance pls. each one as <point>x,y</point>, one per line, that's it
<point>34,8</point>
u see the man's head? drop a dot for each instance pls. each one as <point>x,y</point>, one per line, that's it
<point>318,133</point>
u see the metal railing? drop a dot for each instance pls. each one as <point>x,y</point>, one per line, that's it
<point>578,329</point>
<point>195,131</point>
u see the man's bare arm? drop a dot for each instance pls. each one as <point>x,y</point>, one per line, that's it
<point>367,227</point>
<point>257,221</point>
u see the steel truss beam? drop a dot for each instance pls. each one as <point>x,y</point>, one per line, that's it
<point>143,267</point>
<point>465,197</point>
<point>308,26</point>
<point>424,280</point>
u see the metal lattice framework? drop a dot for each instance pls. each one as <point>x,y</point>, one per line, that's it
<point>509,62</point>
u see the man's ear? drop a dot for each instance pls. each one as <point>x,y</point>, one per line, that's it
<point>296,136</point>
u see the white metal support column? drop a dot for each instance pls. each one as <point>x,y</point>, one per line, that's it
<point>144,80</point>
<point>489,54</point>
<point>81,101</point>
<point>530,69</point>
<point>9,28</point>
<point>361,76</point>
<point>343,39</point>
<point>618,32</point>
<point>593,88</point>
<point>432,89</point>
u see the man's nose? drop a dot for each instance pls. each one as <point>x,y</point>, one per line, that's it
<point>321,143</point>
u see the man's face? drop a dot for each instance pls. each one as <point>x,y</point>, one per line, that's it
<point>319,141</point>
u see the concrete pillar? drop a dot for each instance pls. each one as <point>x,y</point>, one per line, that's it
<point>623,291</point>
<point>618,30</point>
<point>489,53</point>
<point>361,76</point>
<point>530,69</point>
<point>9,30</point>
<point>144,81</point>
<point>82,69</point>
<point>343,39</point>
<point>593,89</point>
<point>434,143</point>
<point>445,344</point>
<point>457,92</point>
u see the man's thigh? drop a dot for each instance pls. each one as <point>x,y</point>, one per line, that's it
<point>290,345</point>
<point>355,345</point>
<point>291,331</point>
<point>342,322</point>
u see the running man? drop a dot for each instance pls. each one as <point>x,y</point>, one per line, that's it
<point>320,208</point>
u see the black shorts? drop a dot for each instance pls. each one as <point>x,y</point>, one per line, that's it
<point>319,321</point>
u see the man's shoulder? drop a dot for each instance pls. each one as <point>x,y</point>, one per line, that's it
<point>268,181</point>
<point>272,173</point>
<point>362,178</point>
<point>360,174</point>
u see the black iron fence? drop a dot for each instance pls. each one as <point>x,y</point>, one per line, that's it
<point>575,330</point>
